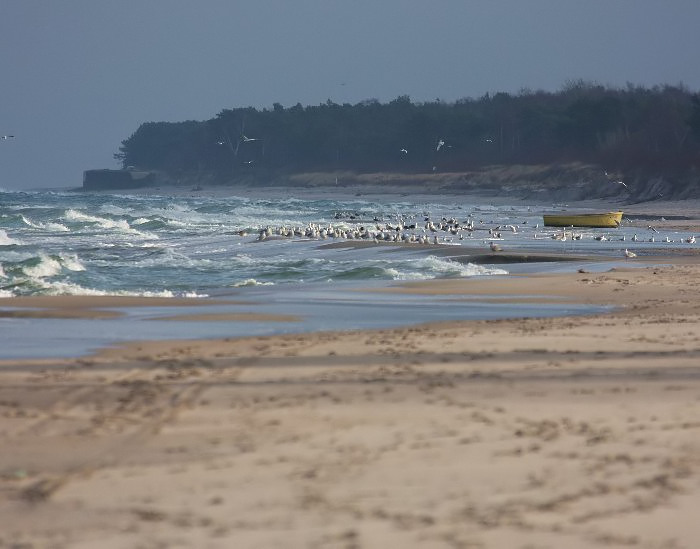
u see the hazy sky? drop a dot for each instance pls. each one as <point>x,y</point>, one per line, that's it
<point>80,76</point>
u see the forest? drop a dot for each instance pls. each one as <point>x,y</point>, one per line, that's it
<point>632,129</point>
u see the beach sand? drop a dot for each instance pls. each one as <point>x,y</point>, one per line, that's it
<point>524,433</point>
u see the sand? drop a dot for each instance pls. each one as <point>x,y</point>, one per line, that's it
<point>558,432</point>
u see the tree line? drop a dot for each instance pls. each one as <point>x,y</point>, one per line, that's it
<point>645,130</point>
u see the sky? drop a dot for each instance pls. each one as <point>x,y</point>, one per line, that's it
<point>77,77</point>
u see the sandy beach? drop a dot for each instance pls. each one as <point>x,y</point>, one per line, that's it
<point>518,433</point>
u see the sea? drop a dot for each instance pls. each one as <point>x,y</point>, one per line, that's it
<point>320,258</point>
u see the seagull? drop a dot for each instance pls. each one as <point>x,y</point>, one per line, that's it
<point>495,247</point>
<point>619,182</point>
<point>629,254</point>
<point>7,137</point>
<point>440,144</point>
<point>690,240</point>
<point>404,151</point>
<point>249,138</point>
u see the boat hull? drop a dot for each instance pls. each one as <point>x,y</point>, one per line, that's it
<point>606,220</point>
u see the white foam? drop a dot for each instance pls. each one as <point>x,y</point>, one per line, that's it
<point>440,266</point>
<point>6,240</point>
<point>68,288</point>
<point>49,266</point>
<point>395,274</point>
<point>46,267</point>
<point>431,267</point>
<point>56,227</point>
<point>71,262</point>
<point>112,224</point>
<point>251,282</point>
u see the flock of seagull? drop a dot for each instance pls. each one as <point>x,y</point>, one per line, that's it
<point>403,230</point>
<point>446,231</point>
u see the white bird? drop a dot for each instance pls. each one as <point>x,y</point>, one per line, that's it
<point>495,247</point>
<point>629,254</point>
<point>690,240</point>
<point>249,138</point>
<point>440,144</point>
<point>404,151</point>
<point>619,182</point>
<point>7,137</point>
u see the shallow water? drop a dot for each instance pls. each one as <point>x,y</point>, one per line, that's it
<point>57,243</point>
<point>320,307</point>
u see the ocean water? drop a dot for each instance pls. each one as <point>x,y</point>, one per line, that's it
<point>94,244</point>
<point>199,245</point>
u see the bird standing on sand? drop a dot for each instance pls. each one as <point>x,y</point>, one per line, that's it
<point>495,247</point>
<point>629,255</point>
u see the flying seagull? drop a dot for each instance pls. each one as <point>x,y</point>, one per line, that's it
<point>404,151</point>
<point>7,137</point>
<point>612,180</point>
<point>440,144</point>
<point>249,138</point>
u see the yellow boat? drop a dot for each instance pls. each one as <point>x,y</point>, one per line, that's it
<point>607,219</point>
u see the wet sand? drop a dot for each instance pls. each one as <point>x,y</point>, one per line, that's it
<point>557,432</point>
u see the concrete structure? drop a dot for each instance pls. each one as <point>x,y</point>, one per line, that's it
<point>95,180</point>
